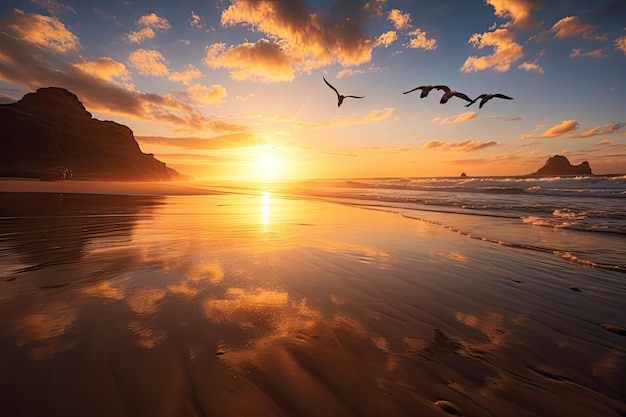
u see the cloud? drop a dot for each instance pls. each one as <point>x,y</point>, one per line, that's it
<point>349,72</point>
<point>607,129</point>
<point>44,31</point>
<point>149,62</point>
<point>296,40</point>
<point>344,121</point>
<point>104,68</point>
<point>419,40</point>
<point>400,19</point>
<point>609,144</point>
<point>185,76</point>
<point>387,38</point>
<point>55,7</point>
<point>463,146</point>
<point>572,26</point>
<point>463,117</point>
<point>561,129</point>
<point>228,141</point>
<point>516,10</point>
<point>195,20</point>
<point>260,61</point>
<point>506,51</point>
<point>531,66</point>
<point>620,44</point>
<point>147,23</point>
<point>596,53</point>
<point>210,95</point>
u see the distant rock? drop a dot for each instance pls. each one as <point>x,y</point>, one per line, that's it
<point>463,174</point>
<point>50,135</point>
<point>560,165</point>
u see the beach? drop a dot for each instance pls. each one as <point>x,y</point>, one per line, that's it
<point>121,299</point>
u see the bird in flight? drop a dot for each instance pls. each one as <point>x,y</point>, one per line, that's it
<point>425,90</point>
<point>486,97</point>
<point>448,94</point>
<point>339,96</point>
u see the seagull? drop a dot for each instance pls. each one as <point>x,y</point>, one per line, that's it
<point>425,90</point>
<point>339,96</point>
<point>486,97</point>
<point>450,93</point>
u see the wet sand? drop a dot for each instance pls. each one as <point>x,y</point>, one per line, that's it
<point>166,300</point>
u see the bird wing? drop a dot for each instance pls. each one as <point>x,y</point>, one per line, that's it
<point>463,96</point>
<point>328,84</point>
<point>503,96</point>
<point>356,96</point>
<point>442,87</point>
<point>410,91</point>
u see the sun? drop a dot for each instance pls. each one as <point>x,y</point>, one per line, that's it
<point>269,168</point>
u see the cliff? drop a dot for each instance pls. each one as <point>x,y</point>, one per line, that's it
<point>560,165</point>
<point>49,134</point>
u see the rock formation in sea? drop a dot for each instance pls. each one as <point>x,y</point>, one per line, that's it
<point>50,135</point>
<point>560,165</point>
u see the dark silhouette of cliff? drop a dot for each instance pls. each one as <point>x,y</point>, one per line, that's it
<point>560,165</point>
<point>50,135</point>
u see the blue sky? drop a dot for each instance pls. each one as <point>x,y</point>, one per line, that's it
<point>234,89</point>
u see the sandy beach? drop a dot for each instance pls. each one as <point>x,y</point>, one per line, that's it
<point>121,299</point>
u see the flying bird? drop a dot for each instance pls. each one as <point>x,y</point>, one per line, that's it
<point>448,94</point>
<point>425,90</point>
<point>486,97</point>
<point>339,96</point>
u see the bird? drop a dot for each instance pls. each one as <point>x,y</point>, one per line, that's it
<point>339,96</point>
<point>450,93</point>
<point>425,90</point>
<point>486,97</point>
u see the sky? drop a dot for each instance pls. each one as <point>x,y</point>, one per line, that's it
<point>234,89</point>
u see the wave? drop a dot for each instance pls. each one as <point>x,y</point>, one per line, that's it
<point>565,255</point>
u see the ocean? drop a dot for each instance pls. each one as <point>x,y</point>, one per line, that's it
<point>581,219</point>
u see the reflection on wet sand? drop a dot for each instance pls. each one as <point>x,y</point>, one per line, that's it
<point>41,230</point>
<point>205,306</point>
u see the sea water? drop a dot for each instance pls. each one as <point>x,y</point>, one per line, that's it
<point>581,219</point>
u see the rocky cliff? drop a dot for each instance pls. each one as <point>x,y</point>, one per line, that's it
<point>49,134</point>
<point>560,165</point>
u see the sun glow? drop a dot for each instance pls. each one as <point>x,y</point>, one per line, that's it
<point>269,167</point>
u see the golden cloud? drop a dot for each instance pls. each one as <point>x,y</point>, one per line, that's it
<point>149,62</point>
<point>387,38</point>
<point>147,23</point>
<point>104,68</point>
<point>261,61</point>
<point>463,117</point>
<point>463,146</point>
<point>185,76</point>
<point>516,10</point>
<point>558,130</point>
<point>301,40</point>
<point>531,66</point>
<point>607,129</point>
<point>400,19</point>
<point>228,141</point>
<point>419,40</point>
<point>571,26</point>
<point>44,31</point>
<point>620,44</point>
<point>506,51</point>
<point>596,53</point>
<point>209,95</point>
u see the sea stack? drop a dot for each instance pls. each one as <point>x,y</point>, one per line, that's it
<point>560,165</point>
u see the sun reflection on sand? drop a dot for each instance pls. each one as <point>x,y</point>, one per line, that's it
<point>265,209</point>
